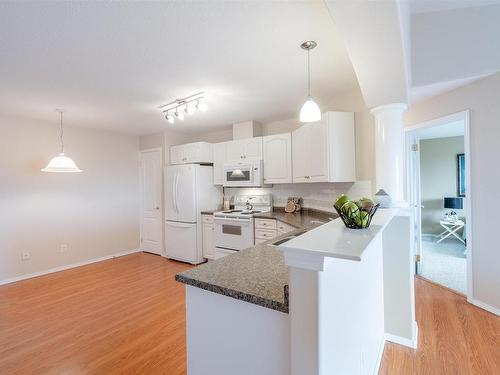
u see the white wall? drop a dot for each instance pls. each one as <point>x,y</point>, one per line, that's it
<point>482,98</point>
<point>96,213</point>
<point>438,179</point>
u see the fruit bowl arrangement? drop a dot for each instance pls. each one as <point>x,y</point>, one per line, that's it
<point>355,214</point>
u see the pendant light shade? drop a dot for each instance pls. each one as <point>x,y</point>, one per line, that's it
<point>61,163</point>
<point>310,111</point>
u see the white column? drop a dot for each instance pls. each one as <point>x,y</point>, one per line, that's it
<point>389,155</point>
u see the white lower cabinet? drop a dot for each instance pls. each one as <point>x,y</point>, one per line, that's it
<point>208,237</point>
<point>267,229</point>
<point>284,228</point>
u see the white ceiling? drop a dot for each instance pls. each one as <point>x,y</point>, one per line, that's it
<point>110,64</point>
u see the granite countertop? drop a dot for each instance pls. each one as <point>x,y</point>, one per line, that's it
<point>258,274</point>
<point>209,212</point>
<point>304,219</point>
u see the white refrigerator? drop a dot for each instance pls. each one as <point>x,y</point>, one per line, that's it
<point>189,189</point>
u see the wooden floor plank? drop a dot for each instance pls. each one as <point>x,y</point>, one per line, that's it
<point>127,316</point>
<point>455,337</point>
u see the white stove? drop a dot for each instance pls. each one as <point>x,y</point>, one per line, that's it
<point>234,229</point>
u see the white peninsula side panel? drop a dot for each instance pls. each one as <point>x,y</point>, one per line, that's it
<point>226,336</point>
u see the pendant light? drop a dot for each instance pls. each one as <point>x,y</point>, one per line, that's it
<point>310,111</point>
<point>61,163</point>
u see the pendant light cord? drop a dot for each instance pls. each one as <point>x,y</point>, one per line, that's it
<point>308,73</point>
<point>62,133</point>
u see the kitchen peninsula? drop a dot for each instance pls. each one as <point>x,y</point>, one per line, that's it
<point>322,302</point>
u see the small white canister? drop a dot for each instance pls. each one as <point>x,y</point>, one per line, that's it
<point>382,198</point>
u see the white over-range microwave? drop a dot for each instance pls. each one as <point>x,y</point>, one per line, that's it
<point>244,173</point>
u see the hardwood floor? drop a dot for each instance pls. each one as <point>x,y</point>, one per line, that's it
<point>126,316</point>
<point>455,337</point>
<point>122,316</point>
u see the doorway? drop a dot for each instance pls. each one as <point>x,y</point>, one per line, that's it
<point>439,191</point>
<point>151,201</point>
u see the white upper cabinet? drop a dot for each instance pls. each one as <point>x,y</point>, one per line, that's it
<point>324,151</point>
<point>277,151</point>
<point>241,149</point>
<point>197,152</point>
<point>219,160</point>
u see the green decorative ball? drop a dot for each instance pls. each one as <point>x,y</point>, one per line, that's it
<point>341,200</point>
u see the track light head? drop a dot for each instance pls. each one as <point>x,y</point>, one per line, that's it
<point>178,114</point>
<point>189,109</point>
<point>201,106</point>
<point>169,117</point>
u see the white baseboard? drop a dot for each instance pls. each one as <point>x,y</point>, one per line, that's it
<point>67,267</point>
<point>403,340</point>
<point>485,306</point>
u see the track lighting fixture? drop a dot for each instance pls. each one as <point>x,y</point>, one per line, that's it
<point>181,106</point>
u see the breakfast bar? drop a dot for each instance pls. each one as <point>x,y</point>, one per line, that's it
<point>321,302</point>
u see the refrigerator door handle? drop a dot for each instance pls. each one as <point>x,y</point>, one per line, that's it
<point>176,191</point>
<point>173,193</point>
<point>177,224</point>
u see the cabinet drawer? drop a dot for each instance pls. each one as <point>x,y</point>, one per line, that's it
<point>260,240</point>
<point>209,219</point>
<point>265,234</point>
<point>284,228</point>
<point>265,223</point>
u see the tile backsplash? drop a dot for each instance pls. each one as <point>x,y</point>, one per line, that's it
<point>319,195</point>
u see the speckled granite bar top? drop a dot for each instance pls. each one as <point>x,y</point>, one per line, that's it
<point>304,219</point>
<point>257,275</point>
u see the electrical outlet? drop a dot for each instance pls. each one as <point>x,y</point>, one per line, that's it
<point>26,255</point>
<point>63,248</point>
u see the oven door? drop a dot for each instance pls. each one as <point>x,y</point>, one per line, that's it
<point>238,175</point>
<point>233,233</point>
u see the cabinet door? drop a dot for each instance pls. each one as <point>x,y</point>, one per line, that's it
<point>219,160</point>
<point>252,148</point>
<point>191,153</point>
<point>208,241</point>
<point>234,150</point>
<point>277,158</point>
<point>318,154</point>
<point>300,153</point>
<point>176,154</point>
